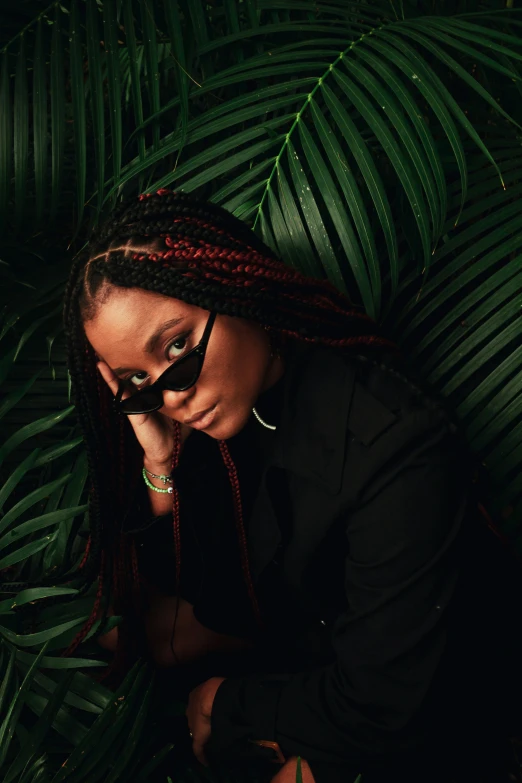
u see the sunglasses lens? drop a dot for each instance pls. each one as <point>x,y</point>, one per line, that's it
<point>144,401</point>
<point>183,374</point>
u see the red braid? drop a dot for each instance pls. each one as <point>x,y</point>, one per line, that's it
<point>238,515</point>
<point>175,504</point>
<point>85,554</point>
<point>93,616</point>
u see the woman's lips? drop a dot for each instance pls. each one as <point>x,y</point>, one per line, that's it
<point>204,421</point>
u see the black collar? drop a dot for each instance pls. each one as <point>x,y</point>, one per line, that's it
<point>311,437</point>
<point>322,405</point>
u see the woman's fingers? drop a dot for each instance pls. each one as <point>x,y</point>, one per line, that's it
<point>110,379</point>
<point>155,432</point>
<point>113,383</point>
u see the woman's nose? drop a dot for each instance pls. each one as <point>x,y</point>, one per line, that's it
<point>174,401</point>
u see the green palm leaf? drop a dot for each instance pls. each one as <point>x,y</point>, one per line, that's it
<point>402,165</point>
<point>110,26</point>
<point>8,679</point>
<point>49,662</point>
<point>35,639</point>
<point>6,143</point>
<point>39,523</point>
<point>16,476</point>
<point>96,85</point>
<point>64,722</point>
<point>405,139</point>
<point>372,179</point>
<point>134,70</point>
<point>151,58</point>
<point>45,423</point>
<point>57,112</point>
<point>78,107</point>
<point>8,724</point>
<point>21,132</point>
<point>128,759</point>
<point>24,552</point>
<point>298,247</point>
<point>177,47</point>
<point>398,103</point>
<point>54,452</point>
<point>40,730</point>
<point>456,357</point>
<point>33,594</point>
<point>452,104</point>
<point>106,734</point>
<point>338,213</point>
<point>355,203</point>
<point>40,122</point>
<point>313,217</point>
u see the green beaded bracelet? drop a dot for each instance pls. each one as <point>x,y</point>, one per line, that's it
<point>151,486</point>
<point>165,479</point>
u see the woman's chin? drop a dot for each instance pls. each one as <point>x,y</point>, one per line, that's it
<point>227,428</point>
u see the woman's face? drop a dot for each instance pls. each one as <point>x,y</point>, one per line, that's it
<point>236,369</point>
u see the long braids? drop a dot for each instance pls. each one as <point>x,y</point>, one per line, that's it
<point>173,244</point>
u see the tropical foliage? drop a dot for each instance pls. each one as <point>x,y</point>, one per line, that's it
<point>376,143</point>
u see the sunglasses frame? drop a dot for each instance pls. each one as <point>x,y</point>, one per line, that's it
<point>161,383</point>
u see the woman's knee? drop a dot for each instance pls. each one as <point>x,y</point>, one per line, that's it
<point>189,640</point>
<point>167,645</point>
<point>158,621</point>
<point>109,640</point>
<point>166,628</point>
<point>162,654</point>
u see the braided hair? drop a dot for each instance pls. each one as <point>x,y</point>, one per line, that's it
<point>174,244</point>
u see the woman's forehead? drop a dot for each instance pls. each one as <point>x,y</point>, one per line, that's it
<point>134,314</point>
<point>129,305</point>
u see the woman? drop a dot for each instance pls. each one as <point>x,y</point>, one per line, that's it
<point>265,484</point>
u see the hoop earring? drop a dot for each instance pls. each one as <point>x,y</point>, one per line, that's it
<point>273,353</point>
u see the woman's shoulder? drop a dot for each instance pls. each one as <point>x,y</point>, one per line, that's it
<point>379,379</point>
<point>371,403</point>
<point>396,383</point>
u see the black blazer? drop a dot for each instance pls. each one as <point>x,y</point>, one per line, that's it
<point>387,572</point>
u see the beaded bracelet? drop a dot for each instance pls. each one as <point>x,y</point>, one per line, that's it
<point>165,479</point>
<point>170,490</point>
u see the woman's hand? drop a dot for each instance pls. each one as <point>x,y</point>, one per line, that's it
<point>154,431</point>
<point>198,714</point>
<point>288,772</point>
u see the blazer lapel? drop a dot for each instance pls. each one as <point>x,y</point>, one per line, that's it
<point>310,440</point>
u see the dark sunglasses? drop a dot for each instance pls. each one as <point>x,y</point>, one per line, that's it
<point>179,376</point>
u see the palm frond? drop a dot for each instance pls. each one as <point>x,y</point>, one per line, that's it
<point>78,107</point>
<point>462,326</point>
<point>57,112</point>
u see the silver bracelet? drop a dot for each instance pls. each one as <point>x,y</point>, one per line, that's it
<point>165,479</point>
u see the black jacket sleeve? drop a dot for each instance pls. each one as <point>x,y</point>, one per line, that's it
<point>211,576</point>
<point>375,701</point>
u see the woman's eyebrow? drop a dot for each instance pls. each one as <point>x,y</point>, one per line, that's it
<point>151,342</point>
<point>153,339</point>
